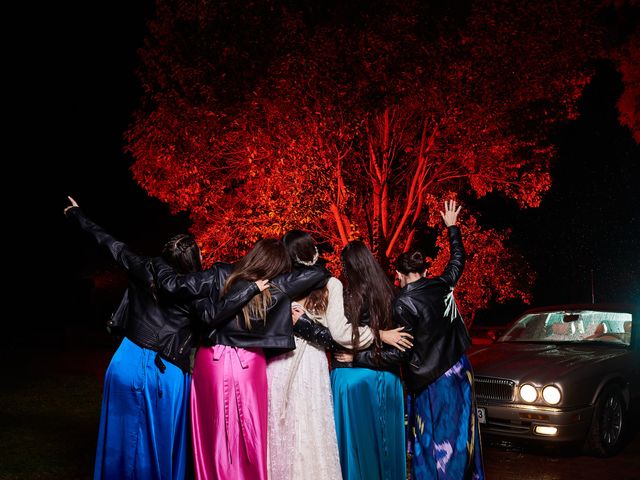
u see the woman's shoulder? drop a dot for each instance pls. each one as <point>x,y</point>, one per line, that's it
<point>223,268</point>
<point>403,297</point>
<point>333,284</point>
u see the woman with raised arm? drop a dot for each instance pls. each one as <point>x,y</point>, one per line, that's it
<point>302,436</point>
<point>438,375</point>
<point>143,425</point>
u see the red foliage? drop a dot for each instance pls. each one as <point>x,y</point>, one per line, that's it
<point>355,123</point>
<point>628,59</point>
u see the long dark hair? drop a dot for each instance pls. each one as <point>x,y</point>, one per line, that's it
<point>267,259</point>
<point>367,289</point>
<point>303,251</point>
<point>182,253</point>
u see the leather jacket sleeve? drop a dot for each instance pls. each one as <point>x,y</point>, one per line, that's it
<point>389,356</point>
<point>316,333</point>
<point>119,250</point>
<point>302,280</point>
<point>453,270</point>
<point>118,321</point>
<point>185,286</point>
<point>216,312</point>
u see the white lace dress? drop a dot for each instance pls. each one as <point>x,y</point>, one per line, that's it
<point>302,435</point>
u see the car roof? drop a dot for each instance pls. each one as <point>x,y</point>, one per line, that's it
<point>598,307</point>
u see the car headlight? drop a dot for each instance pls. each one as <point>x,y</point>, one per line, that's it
<point>528,393</point>
<point>551,395</point>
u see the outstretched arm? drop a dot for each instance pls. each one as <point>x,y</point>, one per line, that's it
<point>119,250</point>
<point>453,270</point>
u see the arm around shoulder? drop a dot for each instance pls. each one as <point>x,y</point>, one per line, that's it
<point>185,286</point>
<point>214,312</point>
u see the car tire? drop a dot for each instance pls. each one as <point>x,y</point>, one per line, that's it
<point>606,434</point>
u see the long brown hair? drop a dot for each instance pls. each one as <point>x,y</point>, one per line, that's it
<point>267,259</point>
<point>303,251</point>
<point>367,289</point>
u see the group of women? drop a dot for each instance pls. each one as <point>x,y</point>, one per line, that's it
<point>260,400</point>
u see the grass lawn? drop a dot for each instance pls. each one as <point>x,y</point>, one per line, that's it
<point>49,424</point>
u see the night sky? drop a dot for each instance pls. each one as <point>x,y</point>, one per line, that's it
<point>588,221</point>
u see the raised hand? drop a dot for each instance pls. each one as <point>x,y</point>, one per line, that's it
<point>450,214</point>
<point>73,205</point>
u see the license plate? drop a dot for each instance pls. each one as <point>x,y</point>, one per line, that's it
<point>482,415</point>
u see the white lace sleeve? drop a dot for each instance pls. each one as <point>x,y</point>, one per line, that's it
<point>336,320</point>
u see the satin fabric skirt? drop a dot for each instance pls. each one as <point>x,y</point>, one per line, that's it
<point>144,421</point>
<point>229,413</point>
<point>446,439</point>
<point>369,416</point>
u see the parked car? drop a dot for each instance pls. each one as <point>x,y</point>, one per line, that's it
<point>569,373</point>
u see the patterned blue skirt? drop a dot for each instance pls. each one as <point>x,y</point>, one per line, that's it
<point>444,439</point>
<point>369,414</point>
<point>143,425</point>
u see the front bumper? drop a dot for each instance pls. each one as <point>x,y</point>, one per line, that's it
<point>518,421</point>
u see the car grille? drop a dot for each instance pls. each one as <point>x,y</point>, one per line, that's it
<point>488,388</point>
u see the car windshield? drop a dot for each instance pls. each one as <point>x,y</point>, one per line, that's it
<point>582,326</point>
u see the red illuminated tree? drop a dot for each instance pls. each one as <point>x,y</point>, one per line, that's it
<point>356,121</point>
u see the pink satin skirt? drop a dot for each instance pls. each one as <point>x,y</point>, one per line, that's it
<point>229,413</point>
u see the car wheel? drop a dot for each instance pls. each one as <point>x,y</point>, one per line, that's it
<point>607,426</point>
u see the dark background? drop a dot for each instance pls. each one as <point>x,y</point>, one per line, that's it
<point>71,91</point>
<point>85,90</point>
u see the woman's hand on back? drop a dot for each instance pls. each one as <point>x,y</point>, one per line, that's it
<point>397,338</point>
<point>343,357</point>
<point>296,312</point>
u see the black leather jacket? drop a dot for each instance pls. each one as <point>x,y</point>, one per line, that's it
<point>388,359</point>
<point>159,324</point>
<point>275,335</point>
<point>427,310</point>
<point>316,333</point>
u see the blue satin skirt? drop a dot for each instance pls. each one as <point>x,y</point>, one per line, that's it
<point>144,421</point>
<point>369,416</point>
<point>446,439</point>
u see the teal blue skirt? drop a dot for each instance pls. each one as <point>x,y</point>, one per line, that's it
<point>144,421</point>
<point>369,416</point>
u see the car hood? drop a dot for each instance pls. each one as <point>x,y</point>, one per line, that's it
<point>539,362</point>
